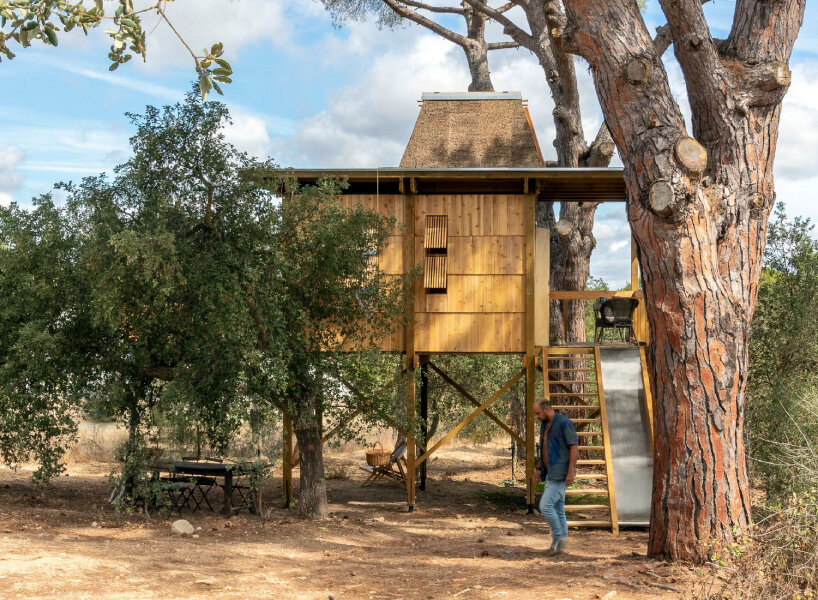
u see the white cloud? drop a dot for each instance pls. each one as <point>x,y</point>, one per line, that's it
<point>369,122</point>
<point>796,157</point>
<point>10,178</point>
<point>248,132</point>
<point>235,23</point>
<point>5,199</point>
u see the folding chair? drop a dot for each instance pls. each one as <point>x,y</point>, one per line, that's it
<point>201,485</point>
<point>387,471</point>
<point>178,491</point>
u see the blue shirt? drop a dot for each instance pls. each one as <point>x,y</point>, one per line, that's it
<point>561,435</point>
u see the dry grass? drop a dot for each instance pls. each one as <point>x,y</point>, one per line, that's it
<point>97,442</point>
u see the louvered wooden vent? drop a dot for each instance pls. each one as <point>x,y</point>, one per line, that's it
<point>437,232</point>
<point>435,242</point>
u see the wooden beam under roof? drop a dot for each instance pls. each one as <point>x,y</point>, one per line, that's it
<point>554,184</point>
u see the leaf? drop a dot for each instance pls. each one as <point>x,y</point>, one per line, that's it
<point>113,67</point>
<point>204,86</point>
<point>128,23</point>
<point>99,5</point>
<point>52,36</point>
<point>218,89</point>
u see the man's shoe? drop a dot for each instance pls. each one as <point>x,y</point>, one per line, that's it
<point>560,545</point>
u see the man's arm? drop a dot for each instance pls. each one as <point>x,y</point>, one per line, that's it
<point>573,452</point>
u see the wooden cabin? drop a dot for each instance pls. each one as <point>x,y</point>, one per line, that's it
<point>464,199</point>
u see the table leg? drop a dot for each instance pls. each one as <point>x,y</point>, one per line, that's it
<point>227,510</point>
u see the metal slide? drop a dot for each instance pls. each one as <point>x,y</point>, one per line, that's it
<point>629,433</point>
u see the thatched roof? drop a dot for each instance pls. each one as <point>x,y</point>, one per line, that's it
<point>473,129</point>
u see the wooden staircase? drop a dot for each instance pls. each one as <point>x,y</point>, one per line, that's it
<point>573,384</point>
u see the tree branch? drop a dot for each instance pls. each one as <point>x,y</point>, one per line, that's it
<point>418,18</point>
<point>697,55</point>
<point>435,9</point>
<point>510,28</point>
<point>764,31</point>
<point>503,45</point>
<point>506,7</point>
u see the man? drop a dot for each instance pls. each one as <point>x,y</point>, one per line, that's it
<point>558,462</point>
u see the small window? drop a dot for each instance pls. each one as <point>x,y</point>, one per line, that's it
<point>434,273</point>
<point>437,230</point>
<point>435,243</point>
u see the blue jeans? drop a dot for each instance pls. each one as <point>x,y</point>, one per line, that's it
<point>552,506</point>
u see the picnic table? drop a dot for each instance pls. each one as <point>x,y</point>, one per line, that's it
<point>226,471</point>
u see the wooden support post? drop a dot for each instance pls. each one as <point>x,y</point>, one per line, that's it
<point>530,354</point>
<point>634,265</point>
<point>424,415</point>
<point>409,346</point>
<point>287,460</point>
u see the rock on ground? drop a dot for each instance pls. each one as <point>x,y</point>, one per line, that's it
<point>181,527</point>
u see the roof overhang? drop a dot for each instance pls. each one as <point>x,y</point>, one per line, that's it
<point>551,184</point>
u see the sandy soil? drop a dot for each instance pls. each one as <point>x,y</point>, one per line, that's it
<point>468,539</point>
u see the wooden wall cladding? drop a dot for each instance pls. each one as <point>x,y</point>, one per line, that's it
<point>447,332</point>
<point>473,215</point>
<point>475,294</point>
<point>389,205</point>
<point>483,309</point>
<point>482,255</point>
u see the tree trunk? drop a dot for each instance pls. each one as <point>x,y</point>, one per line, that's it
<point>477,52</point>
<point>477,57</point>
<point>698,211</point>
<point>312,496</point>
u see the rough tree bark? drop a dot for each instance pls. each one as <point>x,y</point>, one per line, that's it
<point>698,208</point>
<point>312,495</point>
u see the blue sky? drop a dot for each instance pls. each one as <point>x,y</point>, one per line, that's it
<point>312,95</point>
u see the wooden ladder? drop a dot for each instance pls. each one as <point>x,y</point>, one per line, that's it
<point>572,382</point>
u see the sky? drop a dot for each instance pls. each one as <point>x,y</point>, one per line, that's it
<point>309,94</point>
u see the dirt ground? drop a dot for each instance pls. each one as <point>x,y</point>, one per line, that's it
<point>469,538</point>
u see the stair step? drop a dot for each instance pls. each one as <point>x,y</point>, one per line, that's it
<point>589,523</point>
<point>590,476</point>
<point>591,448</point>
<point>587,492</point>
<point>580,507</point>
<point>589,433</point>
<point>572,370</point>
<point>590,461</point>
<point>575,421</point>
<point>583,394</point>
<point>569,406</point>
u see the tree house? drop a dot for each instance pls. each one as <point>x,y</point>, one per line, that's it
<point>464,202</point>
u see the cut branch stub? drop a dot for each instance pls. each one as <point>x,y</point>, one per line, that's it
<point>691,155</point>
<point>638,71</point>
<point>564,227</point>
<point>661,199</point>
<point>774,75</point>
<point>556,32</point>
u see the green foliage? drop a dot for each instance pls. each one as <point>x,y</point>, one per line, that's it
<point>179,293</point>
<point>41,368</point>
<point>783,357</point>
<point>24,21</point>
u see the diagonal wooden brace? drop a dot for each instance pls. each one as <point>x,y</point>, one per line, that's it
<point>471,417</point>
<point>472,399</point>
